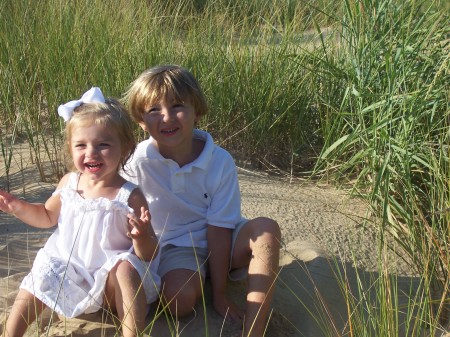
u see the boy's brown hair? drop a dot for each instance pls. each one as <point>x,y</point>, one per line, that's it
<point>157,84</point>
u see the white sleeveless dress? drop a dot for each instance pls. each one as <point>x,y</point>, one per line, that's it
<point>70,271</point>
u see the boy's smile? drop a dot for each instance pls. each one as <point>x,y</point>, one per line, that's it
<point>170,131</point>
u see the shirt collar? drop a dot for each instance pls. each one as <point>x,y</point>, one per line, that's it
<point>202,160</point>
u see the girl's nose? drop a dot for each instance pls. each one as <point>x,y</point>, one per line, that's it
<point>91,151</point>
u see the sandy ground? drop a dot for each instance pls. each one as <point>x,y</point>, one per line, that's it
<point>323,238</point>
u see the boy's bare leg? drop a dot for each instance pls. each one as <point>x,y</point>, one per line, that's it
<point>124,295</point>
<point>181,289</point>
<point>258,246</point>
<point>24,312</point>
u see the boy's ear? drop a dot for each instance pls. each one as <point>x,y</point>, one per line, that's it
<point>143,126</point>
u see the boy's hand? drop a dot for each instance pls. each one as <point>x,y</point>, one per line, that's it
<point>139,227</point>
<point>228,309</point>
<point>8,203</point>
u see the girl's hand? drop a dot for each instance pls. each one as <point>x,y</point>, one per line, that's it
<point>8,203</point>
<point>144,238</point>
<point>140,228</point>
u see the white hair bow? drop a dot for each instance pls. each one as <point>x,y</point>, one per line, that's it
<point>93,95</point>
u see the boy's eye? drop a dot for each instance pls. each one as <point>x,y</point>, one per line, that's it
<point>152,110</point>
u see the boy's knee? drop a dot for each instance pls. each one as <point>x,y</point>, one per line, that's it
<point>181,302</point>
<point>274,229</point>
<point>268,229</point>
<point>181,297</point>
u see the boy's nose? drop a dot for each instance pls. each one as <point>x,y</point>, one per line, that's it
<point>167,115</point>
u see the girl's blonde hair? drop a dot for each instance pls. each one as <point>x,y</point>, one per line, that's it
<point>111,114</point>
<point>157,84</point>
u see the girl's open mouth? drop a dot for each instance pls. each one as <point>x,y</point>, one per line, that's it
<point>94,167</point>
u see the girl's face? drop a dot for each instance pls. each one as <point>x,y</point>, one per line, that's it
<point>170,123</point>
<point>96,151</point>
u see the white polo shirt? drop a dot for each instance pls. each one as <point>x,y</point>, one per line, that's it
<point>184,200</point>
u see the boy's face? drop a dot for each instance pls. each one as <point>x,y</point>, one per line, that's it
<point>170,123</point>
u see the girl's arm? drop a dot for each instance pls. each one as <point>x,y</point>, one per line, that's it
<point>144,239</point>
<point>40,215</point>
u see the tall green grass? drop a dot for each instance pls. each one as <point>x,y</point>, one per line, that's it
<point>357,90</point>
<point>389,130</point>
<point>245,55</point>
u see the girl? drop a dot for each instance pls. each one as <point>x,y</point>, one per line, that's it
<point>100,253</point>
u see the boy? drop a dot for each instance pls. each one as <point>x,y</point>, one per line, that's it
<point>192,189</point>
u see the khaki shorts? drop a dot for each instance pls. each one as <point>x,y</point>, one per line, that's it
<point>195,259</point>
